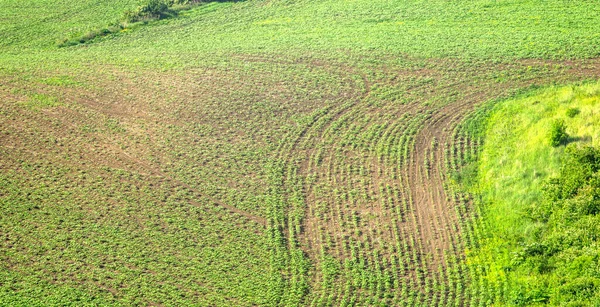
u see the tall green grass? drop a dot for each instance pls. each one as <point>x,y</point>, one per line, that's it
<point>516,161</point>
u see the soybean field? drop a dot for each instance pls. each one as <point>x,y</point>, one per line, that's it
<point>299,153</point>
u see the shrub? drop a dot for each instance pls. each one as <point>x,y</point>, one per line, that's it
<point>581,288</point>
<point>558,134</point>
<point>572,112</point>
<point>153,9</point>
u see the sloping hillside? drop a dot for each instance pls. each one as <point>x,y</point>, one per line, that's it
<point>268,152</point>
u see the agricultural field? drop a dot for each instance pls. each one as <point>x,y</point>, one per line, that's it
<point>299,153</point>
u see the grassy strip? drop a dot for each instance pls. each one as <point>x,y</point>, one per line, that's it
<point>150,11</point>
<point>535,242</point>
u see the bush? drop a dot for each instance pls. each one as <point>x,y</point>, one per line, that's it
<point>572,112</point>
<point>581,166</point>
<point>558,134</point>
<point>153,9</point>
<point>580,288</point>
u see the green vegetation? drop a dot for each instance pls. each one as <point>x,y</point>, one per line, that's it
<point>539,202</point>
<point>40,24</point>
<point>295,153</point>
<point>558,133</point>
<point>572,112</point>
<point>150,11</point>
